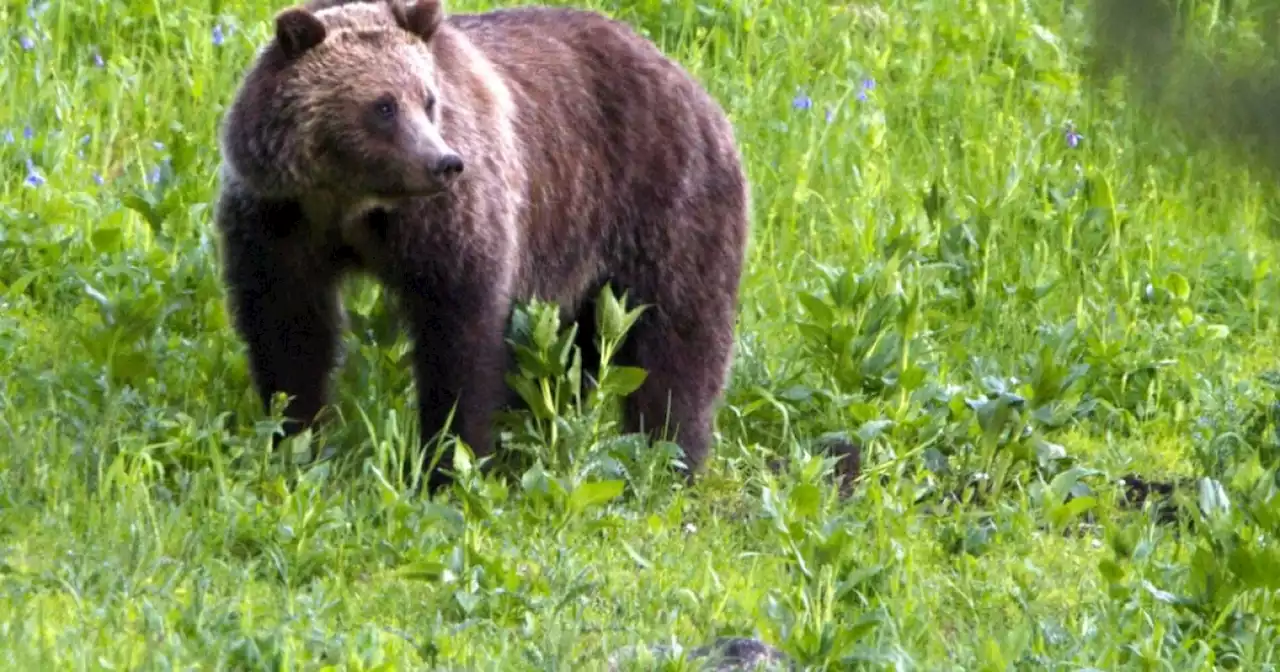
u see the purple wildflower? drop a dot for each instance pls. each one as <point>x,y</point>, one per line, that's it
<point>218,37</point>
<point>28,133</point>
<point>1072,137</point>
<point>831,114</point>
<point>97,179</point>
<point>8,137</point>
<point>158,145</point>
<point>864,91</point>
<point>34,179</point>
<point>97,58</point>
<point>27,43</point>
<point>801,101</point>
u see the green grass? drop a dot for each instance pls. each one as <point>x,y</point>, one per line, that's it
<point>1003,320</point>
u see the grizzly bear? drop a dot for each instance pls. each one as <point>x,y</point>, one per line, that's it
<point>468,162</point>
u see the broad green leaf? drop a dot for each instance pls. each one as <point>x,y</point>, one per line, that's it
<point>594,493</point>
<point>1178,286</point>
<point>817,308</point>
<point>622,380</point>
<point>106,239</point>
<point>805,500</point>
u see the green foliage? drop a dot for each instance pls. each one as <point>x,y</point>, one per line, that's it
<point>1023,291</point>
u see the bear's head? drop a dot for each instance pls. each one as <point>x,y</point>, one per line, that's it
<point>344,102</point>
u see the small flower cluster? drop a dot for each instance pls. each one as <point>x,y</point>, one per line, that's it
<point>1072,136</point>
<point>802,101</point>
<point>35,179</point>
<point>28,42</point>
<point>25,40</point>
<point>155,174</point>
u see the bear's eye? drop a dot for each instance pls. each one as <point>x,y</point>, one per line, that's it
<point>385,108</point>
<point>431,103</point>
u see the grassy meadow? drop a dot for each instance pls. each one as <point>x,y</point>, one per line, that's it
<point>1011,279</point>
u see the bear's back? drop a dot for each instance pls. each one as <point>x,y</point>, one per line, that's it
<point>544,47</point>
<point>615,144</point>
<point>593,97</point>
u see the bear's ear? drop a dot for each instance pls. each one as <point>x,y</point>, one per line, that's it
<point>420,17</point>
<point>298,31</point>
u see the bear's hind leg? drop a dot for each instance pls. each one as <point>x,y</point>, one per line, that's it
<point>686,362</point>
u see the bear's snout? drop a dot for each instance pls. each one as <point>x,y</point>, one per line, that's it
<point>447,166</point>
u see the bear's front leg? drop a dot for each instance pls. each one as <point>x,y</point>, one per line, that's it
<point>459,365</point>
<point>284,302</point>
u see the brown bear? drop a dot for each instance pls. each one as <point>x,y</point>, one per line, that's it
<point>467,162</point>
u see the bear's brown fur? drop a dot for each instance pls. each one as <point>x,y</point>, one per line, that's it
<point>468,162</point>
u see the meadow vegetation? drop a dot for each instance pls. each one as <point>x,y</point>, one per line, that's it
<point>1010,279</point>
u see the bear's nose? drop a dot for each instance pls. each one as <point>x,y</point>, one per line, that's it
<point>448,165</point>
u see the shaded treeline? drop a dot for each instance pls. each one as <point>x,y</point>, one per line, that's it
<point>1210,67</point>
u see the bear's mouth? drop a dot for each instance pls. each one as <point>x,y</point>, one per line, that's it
<point>427,192</point>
